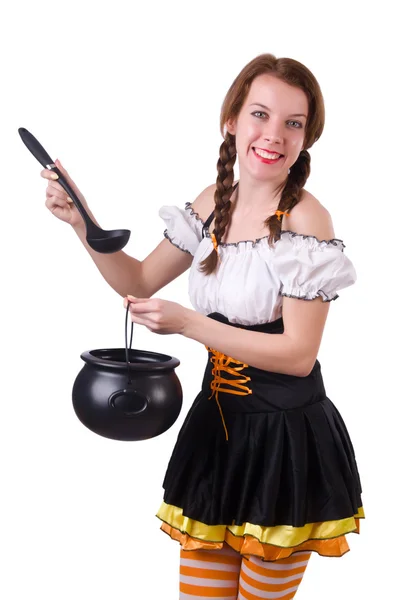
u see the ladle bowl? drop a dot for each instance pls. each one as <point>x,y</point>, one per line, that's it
<point>113,241</point>
<point>101,240</point>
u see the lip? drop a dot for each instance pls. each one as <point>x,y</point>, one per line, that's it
<point>267,161</point>
<point>267,150</point>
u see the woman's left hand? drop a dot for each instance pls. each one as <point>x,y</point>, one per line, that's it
<point>159,316</point>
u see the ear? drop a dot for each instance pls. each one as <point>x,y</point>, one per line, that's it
<point>230,126</point>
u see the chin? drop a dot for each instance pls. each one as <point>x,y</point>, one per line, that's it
<point>270,175</point>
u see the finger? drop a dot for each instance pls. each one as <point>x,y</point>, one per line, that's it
<point>146,321</point>
<point>140,308</point>
<point>48,174</point>
<point>139,320</point>
<point>58,198</point>
<point>135,299</point>
<point>65,173</point>
<point>54,189</point>
<point>60,166</point>
<point>51,176</point>
<point>51,204</point>
<point>54,185</point>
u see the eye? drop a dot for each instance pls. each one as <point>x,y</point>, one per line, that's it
<point>258,112</point>
<point>298,123</point>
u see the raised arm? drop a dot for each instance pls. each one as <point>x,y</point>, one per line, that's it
<point>124,273</point>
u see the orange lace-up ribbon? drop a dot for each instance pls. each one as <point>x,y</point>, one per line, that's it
<point>215,244</point>
<point>281,212</point>
<point>222,362</point>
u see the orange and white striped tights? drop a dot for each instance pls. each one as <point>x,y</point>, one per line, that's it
<point>226,575</point>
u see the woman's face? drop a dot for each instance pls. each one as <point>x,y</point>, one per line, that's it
<point>273,117</point>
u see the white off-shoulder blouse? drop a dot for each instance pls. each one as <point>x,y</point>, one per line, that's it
<point>252,277</point>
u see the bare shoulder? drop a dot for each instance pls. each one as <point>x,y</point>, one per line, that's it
<point>310,217</point>
<point>203,205</point>
<point>205,202</point>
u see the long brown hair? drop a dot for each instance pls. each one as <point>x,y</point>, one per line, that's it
<point>294,73</point>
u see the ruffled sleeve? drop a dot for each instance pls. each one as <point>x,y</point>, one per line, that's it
<point>184,227</point>
<point>308,267</point>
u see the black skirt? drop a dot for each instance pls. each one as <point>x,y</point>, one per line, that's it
<point>270,460</point>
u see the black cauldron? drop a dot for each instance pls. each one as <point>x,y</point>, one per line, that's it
<point>126,394</point>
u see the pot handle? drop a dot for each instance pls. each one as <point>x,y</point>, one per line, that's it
<point>126,346</point>
<point>129,402</point>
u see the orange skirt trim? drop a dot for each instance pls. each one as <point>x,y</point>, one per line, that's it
<point>326,538</point>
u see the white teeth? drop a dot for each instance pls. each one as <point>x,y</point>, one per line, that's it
<point>265,154</point>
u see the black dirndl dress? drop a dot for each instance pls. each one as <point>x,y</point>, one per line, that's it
<point>263,463</point>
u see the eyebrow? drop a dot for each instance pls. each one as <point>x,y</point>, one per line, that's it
<point>267,108</point>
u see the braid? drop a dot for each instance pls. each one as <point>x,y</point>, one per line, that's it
<point>223,193</point>
<point>291,193</point>
<point>290,196</point>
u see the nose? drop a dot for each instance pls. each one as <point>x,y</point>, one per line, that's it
<point>272,133</point>
<point>272,137</point>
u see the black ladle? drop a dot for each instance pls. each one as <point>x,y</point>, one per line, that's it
<point>105,241</point>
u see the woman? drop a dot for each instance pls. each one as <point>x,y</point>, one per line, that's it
<point>263,471</point>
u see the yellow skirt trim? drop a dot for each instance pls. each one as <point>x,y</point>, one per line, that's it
<point>270,543</point>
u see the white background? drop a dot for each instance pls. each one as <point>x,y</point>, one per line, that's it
<point>128,98</point>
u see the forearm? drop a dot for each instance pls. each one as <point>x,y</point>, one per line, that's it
<point>267,351</point>
<point>121,271</point>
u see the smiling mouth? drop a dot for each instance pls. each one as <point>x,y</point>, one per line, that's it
<point>267,157</point>
<point>267,154</point>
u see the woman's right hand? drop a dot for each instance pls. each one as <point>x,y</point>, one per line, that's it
<point>57,199</point>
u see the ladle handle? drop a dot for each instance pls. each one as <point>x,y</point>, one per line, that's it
<point>126,346</point>
<point>46,161</point>
<point>35,148</point>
